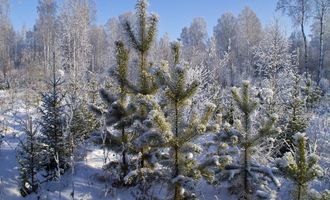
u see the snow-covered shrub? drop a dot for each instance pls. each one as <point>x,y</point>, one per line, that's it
<point>315,195</point>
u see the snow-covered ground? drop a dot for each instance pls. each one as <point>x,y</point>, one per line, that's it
<point>87,181</point>
<point>84,180</point>
<point>11,114</point>
<point>9,171</point>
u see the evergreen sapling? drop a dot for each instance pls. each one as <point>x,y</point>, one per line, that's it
<point>118,117</point>
<point>296,120</point>
<point>182,128</point>
<point>141,37</point>
<point>300,166</point>
<point>244,173</point>
<point>52,125</point>
<point>28,158</point>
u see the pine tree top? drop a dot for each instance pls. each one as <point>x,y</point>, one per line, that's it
<point>299,165</point>
<point>146,28</point>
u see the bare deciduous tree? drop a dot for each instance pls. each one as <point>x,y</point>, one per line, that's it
<point>321,9</point>
<point>299,11</point>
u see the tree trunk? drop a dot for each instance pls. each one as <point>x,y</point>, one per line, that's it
<point>302,22</point>
<point>177,195</point>
<point>321,50</point>
<point>125,165</point>
<point>299,192</point>
<point>144,86</point>
<point>45,58</point>
<point>246,160</point>
<point>34,185</point>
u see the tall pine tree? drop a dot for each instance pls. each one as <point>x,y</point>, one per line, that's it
<point>129,114</point>
<point>141,37</point>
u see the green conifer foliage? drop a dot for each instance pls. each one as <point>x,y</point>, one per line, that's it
<point>297,121</point>
<point>248,138</point>
<point>29,159</point>
<point>119,115</point>
<point>300,166</point>
<point>219,151</point>
<point>229,113</point>
<point>53,129</point>
<point>82,123</point>
<point>141,37</point>
<point>312,93</point>
<point>92,90</point>
<point>141,42</point>
<point>183,130</point>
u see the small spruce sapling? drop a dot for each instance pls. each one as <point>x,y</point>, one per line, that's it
<point>296,120</point>
<point>28,158</point>
<point>220,151</point>
<point>81,124</point>
<point>300,166</point>
<point>52,125</point>
<point>312,93</point>
<point>228,108</point>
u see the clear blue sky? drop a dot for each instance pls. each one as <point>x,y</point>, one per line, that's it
<point>174,14</point>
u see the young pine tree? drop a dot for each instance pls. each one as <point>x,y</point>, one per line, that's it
<point>248,138</point>
<point>119,115</point>
<point>53,129</point>
<point>141,37</point>
<point>28,158</point>
<point>182,128</point>
<point>300,166</point>
<point>141,43</point>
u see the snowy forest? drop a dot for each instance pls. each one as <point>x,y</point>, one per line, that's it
<point>118,111</point>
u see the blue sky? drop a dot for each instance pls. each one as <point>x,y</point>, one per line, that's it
<point>174,14</point>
